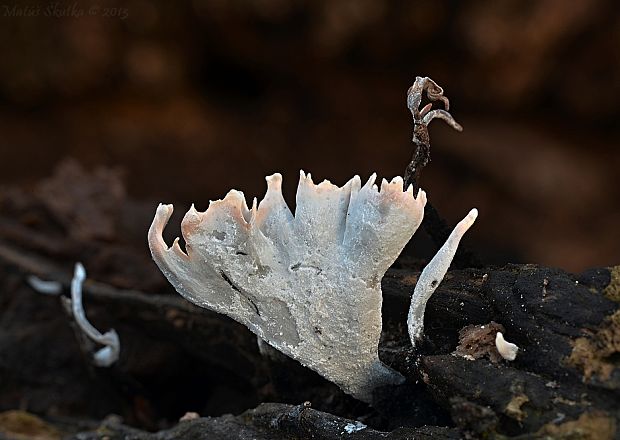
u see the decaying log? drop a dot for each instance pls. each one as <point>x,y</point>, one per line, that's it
<point>565,379</point>
<point>270,421</point>
<point>176,357</point>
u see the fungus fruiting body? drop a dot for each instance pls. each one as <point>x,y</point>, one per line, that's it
<point>102,357</point>
<point>109,353</point>
<point>44,286</point>
<point>508,350</point>
<point>309,283</point>
<point>433,274</point>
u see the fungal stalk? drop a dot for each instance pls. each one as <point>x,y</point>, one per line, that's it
<point>106,356</point>
<point>432,275</point>
<point>109,353</point>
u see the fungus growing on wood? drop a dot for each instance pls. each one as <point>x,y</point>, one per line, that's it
<point>309,284</point>
<point>103,357</point>
<point>432,275</point>
<point>508,350</point>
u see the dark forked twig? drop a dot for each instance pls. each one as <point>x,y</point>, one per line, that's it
<point>421,119</point>
<point>432,223</point>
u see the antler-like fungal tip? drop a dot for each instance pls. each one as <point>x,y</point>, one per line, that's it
<point>79,273</point>
<point>371,181</point>
<point>397,180</point>
<point>162,215</point>
<point>176,248</point>
<point>466,223</point>
<point>384,185</point>
<point>191,220</point>
<point>155,234</point>
<point>326,185</point>
<point>274,181</point>
<point>422,197</point>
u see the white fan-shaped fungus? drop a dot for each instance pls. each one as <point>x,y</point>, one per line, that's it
<point>309,284</point>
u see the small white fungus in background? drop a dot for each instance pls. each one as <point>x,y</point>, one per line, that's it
<point>354,427</point>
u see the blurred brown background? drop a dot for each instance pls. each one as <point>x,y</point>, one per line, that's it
<point>191,99</point>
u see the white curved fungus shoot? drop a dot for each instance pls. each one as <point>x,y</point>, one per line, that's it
<point>433,274</point>
<point>508,350</point>
<point>109,353</point>
<point>105,356</point>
